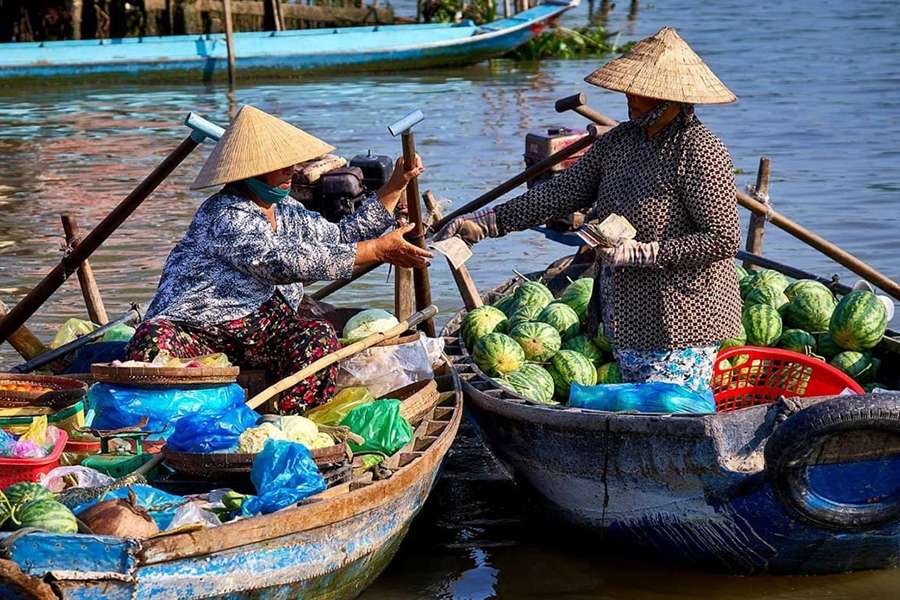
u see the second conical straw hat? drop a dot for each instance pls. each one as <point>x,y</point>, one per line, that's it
<point>257,143</point>
<point>663,66</point>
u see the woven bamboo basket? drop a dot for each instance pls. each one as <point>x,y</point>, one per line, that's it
<point>219,464</point>
<point>64,391</point>
<point>164,376</point>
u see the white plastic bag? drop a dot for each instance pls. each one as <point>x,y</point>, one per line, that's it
<point>382,369</point>
<point>84,477</point>
<point>190,513</point>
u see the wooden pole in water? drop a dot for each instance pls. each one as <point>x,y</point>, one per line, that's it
<point>92,298</point>
<point>507,9</point>
<point>757,226</point>
<point>22,339</point>
<point>276,15</point>
<point>229,41</point>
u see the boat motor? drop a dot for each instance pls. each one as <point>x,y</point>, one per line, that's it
<point>339,191</point>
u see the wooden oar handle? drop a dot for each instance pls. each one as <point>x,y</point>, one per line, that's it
<point>345,352</point>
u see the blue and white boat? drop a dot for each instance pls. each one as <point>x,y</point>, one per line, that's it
<point>282,53</point>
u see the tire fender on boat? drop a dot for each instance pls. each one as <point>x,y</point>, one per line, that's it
<point>800,442</point>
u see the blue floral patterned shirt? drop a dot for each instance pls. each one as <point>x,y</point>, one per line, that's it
<point>231,261</point>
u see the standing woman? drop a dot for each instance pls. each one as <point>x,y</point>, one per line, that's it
<point>669,297</point>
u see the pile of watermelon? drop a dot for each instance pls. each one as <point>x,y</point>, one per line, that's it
<point>537,345</point>
<point>27,504</point>
<point>804,316</point>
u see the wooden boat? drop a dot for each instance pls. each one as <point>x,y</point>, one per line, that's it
<point>797,486</point>
<point>331,546</point>
<point>282,53</point>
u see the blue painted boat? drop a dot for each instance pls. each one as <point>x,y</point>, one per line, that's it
<point>282,53</point>
<point>806,485</point>
<point>331,546</point>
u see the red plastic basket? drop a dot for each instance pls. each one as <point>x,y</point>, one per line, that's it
<point>766,374</point>
<point>14,470</point>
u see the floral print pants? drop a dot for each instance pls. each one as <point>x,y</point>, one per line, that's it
<point>690,367</point>
<point>273,338</point>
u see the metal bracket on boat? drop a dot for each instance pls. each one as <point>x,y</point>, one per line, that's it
<point>203,128</point>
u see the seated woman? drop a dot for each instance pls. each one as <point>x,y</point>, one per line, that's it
<point>234,283</point>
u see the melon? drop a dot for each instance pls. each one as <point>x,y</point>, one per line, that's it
<point>568,366</point>
<point>859,321</point>
<point>498,354</point>
<point>739,340</point>
<point>577,296</point>
<point>766,294</point>
<point>806,285</point>
<point>740,271</point>
<point>26,491</point>
<point>583,344</point>
<point>532,382</point>
<point>826,347</point>
<point>609,373</point>
<point>533,292</point>
<point>504,302</point>
<point>367,322</point>
<point>811,309</point>
<point>601,341</point>
<point>762,324</point>
<point>562,318</point>
<point>480,322</point>
<point>48,515</point>
<point>798,341</point>
<point>539,341</point>
<point>858,365</point>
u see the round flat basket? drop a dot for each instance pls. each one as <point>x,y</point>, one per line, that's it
<point>217,464</point>
<point>39,390</point>
<point>164,376</point>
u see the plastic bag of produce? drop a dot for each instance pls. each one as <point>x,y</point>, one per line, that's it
<point>161,505</point>
<point>283,473</point>
<point>333,411</point>
<point>382,369</point>
<point>212,433</point>
<point>118,406</point>
<point>63,478</point>
<point>656,397</point>
<point>118,333</point>
<point>71,330</point>
<point>381,425</point>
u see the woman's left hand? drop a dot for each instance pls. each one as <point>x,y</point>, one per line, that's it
<point>630,254</point>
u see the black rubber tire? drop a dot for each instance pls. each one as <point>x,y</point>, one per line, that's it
<point>799,437</point>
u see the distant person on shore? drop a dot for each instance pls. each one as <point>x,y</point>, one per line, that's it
<point>234,282</point>
<point>669,297</point>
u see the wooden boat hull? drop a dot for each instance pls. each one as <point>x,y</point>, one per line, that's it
<point>285,53</point>
<point>692,488</point>
<point>331,548</point>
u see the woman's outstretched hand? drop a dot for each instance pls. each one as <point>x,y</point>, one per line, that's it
<point>470,228</point>
<point>394,249</point>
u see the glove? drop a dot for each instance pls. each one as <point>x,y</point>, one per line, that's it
<point>471,228</point>
<point>631,254</point>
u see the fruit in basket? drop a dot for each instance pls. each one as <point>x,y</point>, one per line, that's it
<point>806,286</point>
<point>568,367</point>
<point>577,296</point>
<point>859,321</point>
<point>739,340</point>
<point>609,373</point>
<point>121,518</point>
<point>48,515</point>
<point>480,322</point>
<point>367,322</point>
<point>810,309</point>
<point>562,318</point>
<point>532,382</point>
<point>25,491</point>
<point>858,365</point>
<point>583,344</point>
<point>766,294</point>
<point>762,324</point>
<point>539,341</point>
<point>601,341</point>
<point>798,341</point>
<point>825,346</point>
<point>498,354</point>
<point>24,386</point>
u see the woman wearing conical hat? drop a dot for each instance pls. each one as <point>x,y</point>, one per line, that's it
<point>234,283</point>
<point>668,298</point>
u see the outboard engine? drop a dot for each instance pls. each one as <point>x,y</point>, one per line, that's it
<point>334,189</point>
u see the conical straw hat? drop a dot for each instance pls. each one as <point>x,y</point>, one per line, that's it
<point>663,66</point>
<point>257,143</point>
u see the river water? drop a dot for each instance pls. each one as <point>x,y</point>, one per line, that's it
<point>819,89</point>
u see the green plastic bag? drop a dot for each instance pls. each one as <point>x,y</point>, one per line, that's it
<point>118,333</point>
<point>381,425</point>
<point>333,411</point>
<point>70,330</point>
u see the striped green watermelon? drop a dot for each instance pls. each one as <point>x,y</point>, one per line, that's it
<point>5,509</point>
<point>49,515</point>
<point>798,341</point>
<point>811,309</point>
<point>26,491</point>
<point>858,365</point>
<point>480,322</point>
<point>539,341</point>
<point>766,294</point>
<point>577,296</point>
<point>858,321</point>
<point>741,271</point>
<point>584,345</point>
<point>762,324</point>
<point>562,318</point>
<point>601,341</point>
<point>825,346</point>
<point>532,382</point>
<point>505,302</point>
<point>739,340</point>
<point>806,285</point>
<point>498,354</point>
<point>763,278</point>
<point>568,366</point>
<point>534,292</point>
<point>609,373</point>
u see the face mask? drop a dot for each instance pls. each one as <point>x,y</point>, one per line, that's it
<point>265,192</point>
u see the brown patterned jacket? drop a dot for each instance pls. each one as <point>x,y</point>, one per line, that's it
<point>676,188</point>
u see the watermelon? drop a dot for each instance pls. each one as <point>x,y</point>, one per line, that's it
<point>766,294</point>
<point>5,509</point>
<point>858,321</point>
<point>609,373</point>
<point>858,365</point>
<point>539,341</point>
<point>26,491</point>
<point>532,382</point>
<point>498,354</point>
<point>584,345</point>
<point>739,340</point>
<point>811,309</point>
<point>798,341</point>
<point>763,278</point>
<point>480,322</point>
<point>505,302</point>
<point>533,292</point>
<point>825,346</point>
<point>577,296</point>
<point>567,366</point>
<point>562,318</point>
<point>601,341</point>
<point>502,327</point>
<point>741,272</point>
<point>48,515</point>
<point>805,285</point>
<point>762,324</point>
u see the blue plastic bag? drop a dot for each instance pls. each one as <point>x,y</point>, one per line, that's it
<point>116,406</point>
<point>656,397</point>
<point>283,473</point>
<point>161,505</point>
<point>211,433</point>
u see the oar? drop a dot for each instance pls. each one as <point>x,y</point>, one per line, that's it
<point>345,352</point>
<point>800,232</point>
